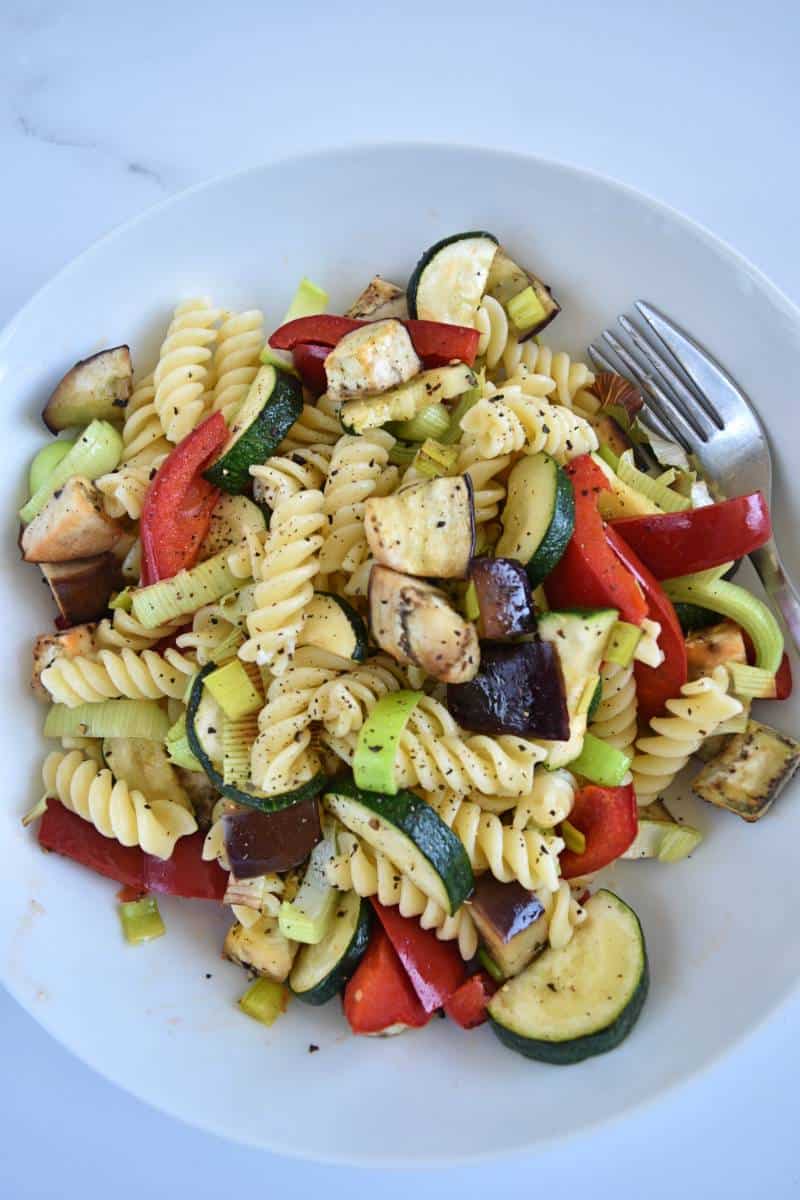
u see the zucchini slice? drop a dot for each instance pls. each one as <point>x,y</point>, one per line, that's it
<point>251,796</point>
<point>331,624</point>
<point>321,971</point>
<point>449,280</point>
<point>582,1000</point>
<point>539,516</point>
<point>269,410</point>
<point>405,402</point>
<point>412,835</point>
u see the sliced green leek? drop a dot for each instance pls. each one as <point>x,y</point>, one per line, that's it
<point>123,600</point>
<point>525,310</point>
<point>622,643</point>
<point>176,744</point>
<point>432,422</point>
<point>186,592</point>
<point>739,606</point>
<point>45,462</point>
<point>378,739</point>
<point>111,718</point>
<point>433,459</point>
<point>465,403</point>
<point>264,1001</point>
<point>402,455</point>
<point>308,301</point>
<point>751,682</point>
<point>573,838</point>
<point>233,690</point>
<point>608,456</point>
<point>228,647</point>
<point>600,763</point>
<point>489,965</point>
<point>656,491</point>
<point>141,920</point>
<point>96,452</point>
<point>238,737</point>
<point>471,607</point>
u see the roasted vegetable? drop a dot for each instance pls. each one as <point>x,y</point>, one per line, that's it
<point>750,772</point>
<point>376,358</point>
<point>710,648</point>
<point>50,646</point>
<point>83,588</point>
<point>73,524</point>
<point>511,922</point>
<point>508,282</point>
<point>379,300</point>
<point>415,623</point>
<point>403,403</point>
<point>96,387</point>
<point>519,689</point>
<point>265,951</point>
<point>258,842</point>
<point>503,592</point>
<point>610,433</point>
<point>425,529</point>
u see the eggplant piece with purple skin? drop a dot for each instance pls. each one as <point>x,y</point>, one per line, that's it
<point>96,387</point>
<point>259,842</point>
<point>518,689</point>
<point>425,529</point>
<point>511,921</point>
<point>82,588</point>
<point>504,597</point>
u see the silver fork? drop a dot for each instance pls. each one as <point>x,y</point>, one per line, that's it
<point>693,401</point>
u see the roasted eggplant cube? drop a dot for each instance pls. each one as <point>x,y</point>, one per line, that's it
<point>425,529</point>
<point>49,647</point>
<point>518,689</point>
<point>511,921</point>
<point>507,280</point>
<point>83,588</point>
<point>264,951</point>
<point>73,524</point>
<point>751,771</point>
<point>96,387</point>
<point>415,623</point>
<point>379,300</point>
<point>504,597</point>
<point>259,842</point>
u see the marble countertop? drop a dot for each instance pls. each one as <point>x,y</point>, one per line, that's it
<point>106,109</point>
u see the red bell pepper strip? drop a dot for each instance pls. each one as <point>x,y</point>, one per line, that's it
<point>184,874</point>
<point>467,1006</point>
<point>177,508</point>
<point>309,359</point>
<point>435,342</point>
<point>681,543</point>
<point>589,574</point>
<point>608,819</point>
<point>655,685</point>
<point>380,994</point>
<point>435,968</point>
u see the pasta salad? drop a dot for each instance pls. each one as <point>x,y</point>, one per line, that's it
<point>390,631</point>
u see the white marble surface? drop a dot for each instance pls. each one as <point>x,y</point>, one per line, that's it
<point>105,109</point>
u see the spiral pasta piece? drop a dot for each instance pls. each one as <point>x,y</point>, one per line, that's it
<point>124,632</point>
<point>492,325</point>
<point>549,801</point>
<point>236,360</point>
<point>283,476</point>
<point>142,433</point>
<point>488,492</point>
<point>115,810</point>
<point>564,913</point>
<point>284,586</point>
<point>317,424</point>
<point>523,359</point>
<point>283,756</point>
<point>124,489</point>
<point>615,719</point>
<point>144,676</point>
<point>182,376</point>
<point>435,755</point>
<point>702,706</point>
<point>359,868</point>
<point>509,421</point>
<point>210,630</point>
<point>356,466</point>
<point>342,704</point>
<point>528,856</point>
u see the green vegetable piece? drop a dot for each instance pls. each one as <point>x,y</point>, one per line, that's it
<point>264,1001</point>
<point>308,301</point>
<point>600,763</point>
<point>307,918</point>
<point>378,739</point>
<point>573,838</point>
<point>141,921</point>
<point>608,456</point>
<point>622,643</point>
<point>432,422</point>
<point>123,600</point>
<point>111,718</point>
<point>739,606</point>
<point>489,965</point>
<point>96,452</point>
<point>751,682</point>
<point>186,592</point>
<point>177,746</point>
<point>45,462</point>
<point>654,489</point>
<point>233,690</point>
<point>525,310</point>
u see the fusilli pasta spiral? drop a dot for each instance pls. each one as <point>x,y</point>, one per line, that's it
<point>124,632</point>
<point>528,358</point>
<point>236,360</point>
<point>283,476</point>
<point>356,466</point>
<point>508,421</point>
<point>342,703</point>
<point>284,584</point>
<point>117,811</point>
<point>615,719</point>
<point>492,324</point>
<point>124,489</point>
<point>142,434</point>
<point>143,676</point>
<point>317,424</point>
<point>182,375</point>
<point>549,801</point>
<point>702,706</point>
<point>488,493</point>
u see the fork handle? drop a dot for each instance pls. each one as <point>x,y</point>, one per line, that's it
<point>778,586</point>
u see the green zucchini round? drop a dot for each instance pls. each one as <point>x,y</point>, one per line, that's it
<point>539,516</point>
<point>321,971</point>
<point>425,262</point>
<point>269,410</point>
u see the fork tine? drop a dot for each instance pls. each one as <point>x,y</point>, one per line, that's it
<point>657,399</point>
<point>600,361</point>
<point>684,400</point>
<point>708,377</point>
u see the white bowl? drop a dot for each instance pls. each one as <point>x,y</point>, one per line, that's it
<point>722,929</point>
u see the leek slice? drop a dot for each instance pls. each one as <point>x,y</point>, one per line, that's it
<point>264,1001</point>
<point>111,718</point>
<point>141,921</point>
<point>187,591</point>
<point>307,917</point>
<point>96,452</point>
<point>573,838</point>
<point>654,489</point>
<point>752,682</point>
<point>45,462</point>
<point>233,690</point>
<point>432,422</point>
<point>622,643</point>
<point>378,740</point>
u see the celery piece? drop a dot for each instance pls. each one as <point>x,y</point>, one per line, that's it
<point>465,403</point>
<point>664,497</point>
<point>177,746</point>
<point>622,643</point>
<point>111,718</point>
<point>96,452</point>
<point>525,310</point>
<point>573,838</point>
<point>752,682</point>
<point>186,592</point>
<point>739,606</point>
<point>308,301</point>
<point>608,456</point>
<point>264,1001</point>
<point>433,459</point>
<point>233,690</point>
<point>378,739</point>
<point>489,965</point>
<point>677,842</point>
<point>432,422</point>
<point>600,763</point>
<point>45,462</point>
<point>141,920</point>
<point>402,455</point>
